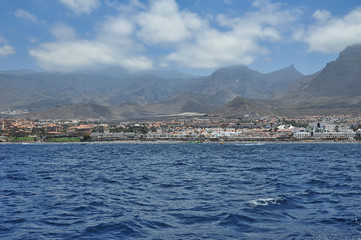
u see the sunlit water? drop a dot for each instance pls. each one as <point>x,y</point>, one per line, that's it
<point>180,191</point>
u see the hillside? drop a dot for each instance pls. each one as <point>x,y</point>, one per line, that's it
<point>240,107</point>
<point>228,92</point>
<point>341,77</point>
<point>335,89</point>
<point>227,83</point>
<point>74,111</point>
<point>41,91</point>
<point>180,103</point>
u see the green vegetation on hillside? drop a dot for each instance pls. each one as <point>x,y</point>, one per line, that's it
<point>22,139</point>
<point>64,140</point>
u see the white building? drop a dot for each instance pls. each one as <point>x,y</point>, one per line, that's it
<point>300,135</point>
<point>325,130</point>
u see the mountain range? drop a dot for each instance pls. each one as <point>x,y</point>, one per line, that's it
<point>41,91</point>
<point>115,94</point>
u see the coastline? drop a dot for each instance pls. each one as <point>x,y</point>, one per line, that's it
<point>186,142</point>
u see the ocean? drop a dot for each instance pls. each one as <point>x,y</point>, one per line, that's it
<point>180,191</point>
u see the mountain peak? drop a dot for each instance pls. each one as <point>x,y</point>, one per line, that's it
<point>351,53</point>
<point>353,47</point>
<point>236,71</point>
<point>289,69</point>
<point>340,77</point>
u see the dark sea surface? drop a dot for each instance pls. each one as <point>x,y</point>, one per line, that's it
<point>180,191</point>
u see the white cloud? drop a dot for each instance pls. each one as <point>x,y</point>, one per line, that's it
<point>74,55</point>
<point>81,6</point>
<point>112,46</point>
<point>266,5</point>
<point>239,43</point>
<point>21,13</point>
<point>128,8</point>
<point>322,15</point>
<point>178,37</point>
<point>63,32</point>
<point>332,34</point>
<point>213,49</point>
<point>5,49</point>
<point>165,23</point>
<point>115,28</point>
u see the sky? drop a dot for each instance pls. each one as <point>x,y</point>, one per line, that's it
<point>192,36</point>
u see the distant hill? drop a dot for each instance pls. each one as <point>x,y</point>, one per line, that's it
<point>335,89</point>
<point>341,77</point>
<point>240,107</point>
<point>36,91</point>
<point>180,103</point>
<point>147,89</point>
<point>227,83</point>
<point>296,90</point>
<point>230,92</point>
<point>40,91</point>
<point>74,111</point>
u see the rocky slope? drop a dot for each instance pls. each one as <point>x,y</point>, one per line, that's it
<point>227,83</point>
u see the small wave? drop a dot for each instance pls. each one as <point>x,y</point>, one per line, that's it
<point>16,177</point>
<point>81,208</point>
<point>13,221</point>
<point>260,169</point>
<point>317,182</point>
<point>4,229</point>
<point>10,192</point>
<point>307,192</point>
<point>267,201</point>
<point>334,220</point>
<point>169,185</point>
<point>190,219</point>
<point>189,188</point>
<point>232,218</point>
<point>242,223</point>
<point>105,180</point>
<point>154,224</point>
<point>59,222</point>
<point>123,230</point>
<point>356,222</point>
<point>97,203</point>
<point>180,163</point>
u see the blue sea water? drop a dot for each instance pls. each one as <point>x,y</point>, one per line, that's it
<point>180,191</point>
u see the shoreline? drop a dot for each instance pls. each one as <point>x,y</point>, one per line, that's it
<point>186,142</point>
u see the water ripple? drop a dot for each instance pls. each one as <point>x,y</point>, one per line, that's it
<point>180,191</point>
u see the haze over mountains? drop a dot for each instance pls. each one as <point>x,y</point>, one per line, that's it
<point>41,91</point>
<point>114,94</point>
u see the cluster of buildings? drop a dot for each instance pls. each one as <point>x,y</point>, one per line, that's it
<point>13,129</point>
<point>321,130</point>
<point>271,128</point>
